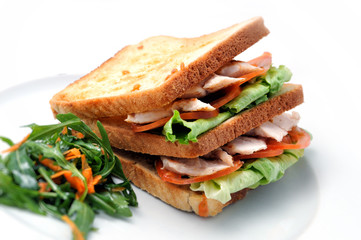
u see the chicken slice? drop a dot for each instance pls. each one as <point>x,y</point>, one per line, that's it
<point>220,154</point>
<point>191,105</point>
<point>269,130</point>
<point>147,117</point>
<point>195,92</point>
<point>245,145</point>
<point>193,166</point>
<point>217,82</point>
<point>287,121</point>
<point>236,69</point>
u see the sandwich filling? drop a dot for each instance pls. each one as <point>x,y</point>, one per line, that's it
<point>258,157</point>
<point>235,87</point>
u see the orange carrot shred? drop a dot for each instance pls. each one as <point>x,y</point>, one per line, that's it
<point>42,186</point>
<point>77,134</point>
<point>16,146</point>
<point>78,235</point>
<point>64,131</point>
<point>58,174</point>
<point>72,153</point>
<point>49,163</point>
<point>97,179</point>
<point>58,140</point>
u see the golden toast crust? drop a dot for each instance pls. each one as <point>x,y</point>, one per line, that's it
<point>153,73</point>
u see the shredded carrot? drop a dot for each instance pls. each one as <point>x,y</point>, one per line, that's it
<point>64,131</point>
<point>72,153</point>
<point>77,134</point>
<point>58,140</point>
<point>78,235</point>
<point>97,179</point>
<point>76,182</point>
<point>58,174</point>
<point>43,186</point>
<point>16,146</point>
<point>49,163</point>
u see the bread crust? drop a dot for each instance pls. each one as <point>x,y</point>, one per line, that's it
<point>89,96</point>
<point>140,170</point>
<point>121,136</point>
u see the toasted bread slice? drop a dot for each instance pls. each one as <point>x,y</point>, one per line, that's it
<point>153,73</point>
<point>139,169</point>
<point>121,135</point>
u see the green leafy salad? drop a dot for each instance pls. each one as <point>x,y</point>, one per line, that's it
<point>67,171</point>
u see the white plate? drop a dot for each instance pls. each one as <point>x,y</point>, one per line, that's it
<point>281,210</point>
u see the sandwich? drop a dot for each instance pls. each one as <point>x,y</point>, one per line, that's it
<point>190,124</point>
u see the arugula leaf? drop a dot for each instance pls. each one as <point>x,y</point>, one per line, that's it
<point>112,203</point>
<point>82,215</point>
<point>7,140</point>
<point>13,195</point>
<point>21,167</point>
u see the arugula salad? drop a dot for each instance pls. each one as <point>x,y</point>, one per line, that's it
<point>65,170</point>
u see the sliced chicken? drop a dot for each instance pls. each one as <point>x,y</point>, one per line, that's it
<point>236,69</point>
<point>193,166</point>
<point>191,105</point>
<point>220,154</point>
<point>195,92</point>
<point>287,121</point>
<point>147,117</point>
<point>217,82</point>
<point>245,145</point>
<point>183,105</point>
<point>269,130</point>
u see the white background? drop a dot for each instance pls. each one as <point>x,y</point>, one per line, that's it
<point>318,40</point>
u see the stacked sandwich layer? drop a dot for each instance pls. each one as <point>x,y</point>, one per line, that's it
<point>199,128</point>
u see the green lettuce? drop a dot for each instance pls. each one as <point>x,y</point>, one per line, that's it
<point>264,87</point>
<point>184,131</point>
<point>249,94</point>
<point>259,172</point>
<point>177,129</point>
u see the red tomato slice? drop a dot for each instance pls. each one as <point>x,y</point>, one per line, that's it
<point>297,138</point>
<point>263,61</point>
<point>176,178</point>
<point>231,93</point>
<point>261,154</point>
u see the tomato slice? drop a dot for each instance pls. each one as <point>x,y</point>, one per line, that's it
<point>297,138</point>
<point>150,126</point>
<point>185,116</point>
<point>176,178</point>
<point>261,154</point>
<point>198,115</point>
<point>231,93</point>
<point>263,61</point>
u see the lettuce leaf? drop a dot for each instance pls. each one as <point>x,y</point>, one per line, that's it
<point>249,94</point>
<point>258,92</point>
<point>183,131</point>
<point>259,172</point>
